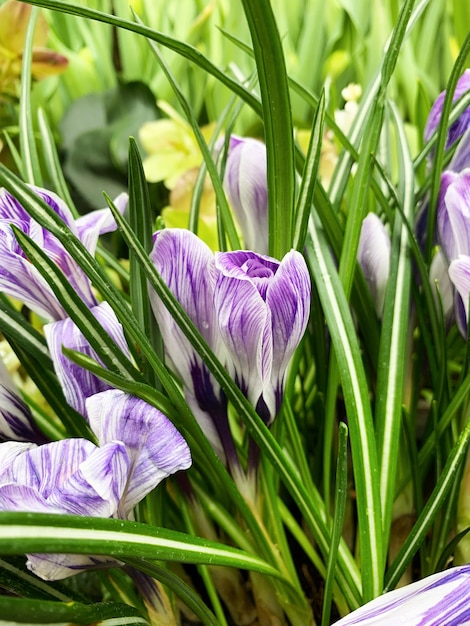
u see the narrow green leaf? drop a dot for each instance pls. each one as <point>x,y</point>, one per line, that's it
<point>356,397</point>
<point>22,533</point>
<point>277,118</point>
<point>47,612</point>
<point>430,510</point>
<point>28,149</point>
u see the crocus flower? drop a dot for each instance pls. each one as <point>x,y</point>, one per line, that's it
<point>20,279</point>
<point>441,599</point>
<point>251,309</point>
<point>138,448</point>
<point>16,421</point>
<point>245,184</point>
<point>262,307</point>
<point>374,258</point>
<point>459,127</point>
<point>78,383</point>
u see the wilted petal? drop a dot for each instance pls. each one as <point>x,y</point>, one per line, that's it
<point>245,184</point>
<point>374,258</point>
<point>458,128</point>
<point>155,448</point>
<point>47,62</point>
<point>96,223</point>
<point>438,600</point>
<point>16,420</point>
<point>453,214</point>
<point>78,383</point>
<point>459,273</point>
<point>288,298</point>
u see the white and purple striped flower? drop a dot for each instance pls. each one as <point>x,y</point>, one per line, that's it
<point>78,383</point>
<point>262,307</point>
<point>246,188</point>
<point>20,279</point>
<point>16,420</point>
<point>442,599</point>
<point>138,448</point>
<point>373,255</point>
<point>251,309</point>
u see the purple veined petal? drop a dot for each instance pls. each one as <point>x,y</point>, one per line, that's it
<point>444,226</point>
<point>96,223</point>
<point>288,298</point>
<point>97,485</point>
<point>245,318</point>
<point>245,183</point>
<point>373,256</point>
<point>459,274</point>
<point>186,264</point>
<point>458,128</point>
<point>77,383</point>
<point>9,450</point>
<point>461,158</point>
<point>12,211</point>
<point>21,280</point>
<point>44,468</point>
<point>454,214</point>
<point>442,599</point>
<point>155,447</point>
<point>23,498</point>
<point>16,420</point>
<point>60,566</point>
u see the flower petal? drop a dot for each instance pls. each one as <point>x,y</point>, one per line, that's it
<point>458,128</point>
<point>78,384</point>
<point>288,298</point>
<point>244,320</point>
<point>44,468</point>
<point>155,448</point>
<point>459,274</point>
<point>21,280</point>
<point>454,214</point>
<point>23,498</point>
<point>60,566</point>
<point>97,485</point>
<point>245,184</point>
<point>374,258</point>
<point>96,223</point>
<point>442,598</point>
<point>9,450</point>
<point>16,420</point>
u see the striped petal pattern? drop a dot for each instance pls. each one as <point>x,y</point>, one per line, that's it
<point>77,383</point>
<point>442,599</point>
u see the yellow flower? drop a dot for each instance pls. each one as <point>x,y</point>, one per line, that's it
<point>14,19</point>
<point>171,146</point>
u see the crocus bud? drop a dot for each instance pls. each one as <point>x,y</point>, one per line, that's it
<point>442,598</point>
<point>245,184</point>
<point>458,128</point>
<point>262,307</point>
<point>453,214</point>
<point>374,258</point>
